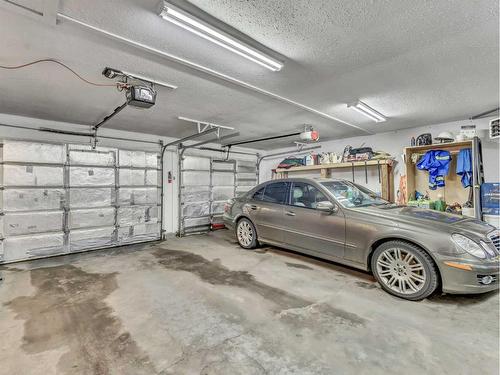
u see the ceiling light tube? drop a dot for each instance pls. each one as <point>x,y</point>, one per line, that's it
<point>180,18</point>
<point>367,111</point>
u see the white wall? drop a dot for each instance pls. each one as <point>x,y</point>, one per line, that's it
<point>393,143</point>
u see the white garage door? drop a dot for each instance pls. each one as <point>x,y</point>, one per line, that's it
<point>206,184</point>
<point>58,199</point>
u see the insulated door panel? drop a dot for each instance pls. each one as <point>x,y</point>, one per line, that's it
<point>33,199</point>
<point>58,199</point>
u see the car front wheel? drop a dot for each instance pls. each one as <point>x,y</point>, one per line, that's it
<point>246,234</point>
<point>404,270</point>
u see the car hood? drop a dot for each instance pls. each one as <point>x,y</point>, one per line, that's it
<point>440,221</point>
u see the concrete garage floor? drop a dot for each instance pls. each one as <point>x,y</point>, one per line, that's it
<point>202,305</point>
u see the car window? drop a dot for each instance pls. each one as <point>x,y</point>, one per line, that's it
<point>259,194</point>
<point>306,195</point>
<point>275,192</point>
<point>349,194</point>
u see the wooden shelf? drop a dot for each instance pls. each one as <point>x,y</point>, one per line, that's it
<point>386,177</point>
<point>336,165</point>
<point>450,146</point>
<point>416,179</point>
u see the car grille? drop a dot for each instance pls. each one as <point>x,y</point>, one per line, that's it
<point>494,237</point>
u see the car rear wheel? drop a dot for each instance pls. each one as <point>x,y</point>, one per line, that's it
<point>246,234</point>
<point>404,270</point>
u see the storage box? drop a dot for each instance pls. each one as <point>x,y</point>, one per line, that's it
<point>490,198</point>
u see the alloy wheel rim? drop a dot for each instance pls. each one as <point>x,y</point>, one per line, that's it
<point>245,233</point>
<point>401,271</point>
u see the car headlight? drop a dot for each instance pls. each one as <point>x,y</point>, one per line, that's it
<point>489,248</point>
<point>469,246</point>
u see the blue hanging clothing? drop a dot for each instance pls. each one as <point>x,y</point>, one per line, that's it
<point>437,163</point>
<point>464,166</point>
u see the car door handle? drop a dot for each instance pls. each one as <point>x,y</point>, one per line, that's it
<point>290,213</point>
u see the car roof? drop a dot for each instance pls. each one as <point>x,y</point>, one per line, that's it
<point>305,179</point>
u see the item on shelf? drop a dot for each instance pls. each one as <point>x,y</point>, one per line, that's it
<point>324,158</point>
<point>437,163</point>
<point>335,158</point>
<point>311,159</point>
<point>494,130</point>
<point>490,198</point>
<point>467,132</point>
<point>464,166</point>
<point>381,155</point>
<point>346,153</point>
<point>360,154</point>
<point>419,195</point>
<point>424,139</point>
<point>445,137</point>
<point>440,204</point>
<point>454,208</point>
<point>413,142</point>
<point>329,158</point>
<point>421,203</point>
<point>291,161</point>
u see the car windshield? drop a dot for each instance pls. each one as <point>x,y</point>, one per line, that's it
<point>349,194</point>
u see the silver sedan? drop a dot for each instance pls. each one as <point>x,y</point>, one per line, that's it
<point>412,252</point>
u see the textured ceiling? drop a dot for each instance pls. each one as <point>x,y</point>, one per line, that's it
<point>417,62</point>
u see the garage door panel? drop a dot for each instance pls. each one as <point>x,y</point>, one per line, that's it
<point>33,199</point>
<point>220,165</point>
<point>33,152</point>
<point>192,224</point>
<point>32,175</point>
<point>223,179</point>
<point>222,193</point>
<point>91,176</point>
<point>138,233</point>
<point>97,217</point>
<point>90,197</point>
<point>138,177</point>
<point>88,157</point>
<point>218,208</point>
<point>196,209</point>
<point>196,162</point>
<point>81,239</point>
<point>138,196</point>
<point>195,193</point>
<point>32,246</point>
<point>137,214</point>
<point>196,178</point>
<point>15,224</point>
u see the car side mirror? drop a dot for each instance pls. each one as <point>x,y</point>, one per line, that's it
<point>327,206</point>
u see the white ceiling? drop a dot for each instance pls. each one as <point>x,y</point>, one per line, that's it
<point>417,62</point>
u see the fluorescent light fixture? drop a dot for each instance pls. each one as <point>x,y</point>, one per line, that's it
<point>180,18</point>
<point>367,111</point>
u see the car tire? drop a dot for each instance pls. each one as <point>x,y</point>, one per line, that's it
<point>404,270</point>
<point>246,235</point>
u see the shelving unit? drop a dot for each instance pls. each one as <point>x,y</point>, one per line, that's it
<point>385,172</point>
<point>453,191</point>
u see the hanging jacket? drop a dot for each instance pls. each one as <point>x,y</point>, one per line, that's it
<point>437,163</point>
<point>464,166</point>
